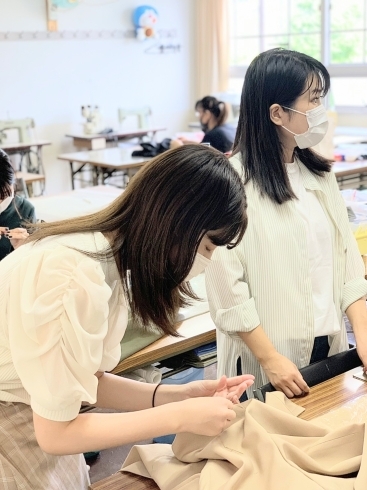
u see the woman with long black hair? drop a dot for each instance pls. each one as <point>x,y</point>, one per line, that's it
<point>278,299</point>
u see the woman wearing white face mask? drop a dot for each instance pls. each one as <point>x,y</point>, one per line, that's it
<point>14,210</point>
<point>66,295</point>
<point>278,298</point>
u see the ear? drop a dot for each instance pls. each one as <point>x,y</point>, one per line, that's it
<point>277,114</point>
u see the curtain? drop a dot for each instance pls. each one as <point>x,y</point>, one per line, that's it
<point>212,44</point>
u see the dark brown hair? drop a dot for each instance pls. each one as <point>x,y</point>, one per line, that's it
<point>218,108</point>
<point>157,224</point>
<point>7,177</point>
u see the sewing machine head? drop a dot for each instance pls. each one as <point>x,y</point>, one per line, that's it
<point>22,125</point>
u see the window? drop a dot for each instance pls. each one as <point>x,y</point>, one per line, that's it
<point>332,31</point>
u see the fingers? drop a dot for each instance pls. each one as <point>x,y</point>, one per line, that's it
<point>231,415</point>
<point>235,381</point>
<point>297,387</point>
<point>17,234</point>
<point>3,230</point>
<point>222,383</point>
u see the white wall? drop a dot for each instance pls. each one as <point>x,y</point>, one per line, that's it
<point>49,80</point>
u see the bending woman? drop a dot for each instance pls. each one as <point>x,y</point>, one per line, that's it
<point>66,295</point>
<point>278,299</point>
<point>212,115</point>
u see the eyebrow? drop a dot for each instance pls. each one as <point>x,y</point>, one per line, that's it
<point>316,91</point>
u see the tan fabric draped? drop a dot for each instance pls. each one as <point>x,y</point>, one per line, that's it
<point>264,448</point>
<point>212,45</point>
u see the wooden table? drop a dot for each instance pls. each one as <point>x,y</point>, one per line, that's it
<point>196,331</point>
<point>322,398</point>
<point>103,163</point>
<point>350,173</point>
<point>25,150</point>
<point>98,141</point>
<point>331,394</point>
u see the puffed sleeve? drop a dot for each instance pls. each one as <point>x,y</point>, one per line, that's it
<point>58,319</point>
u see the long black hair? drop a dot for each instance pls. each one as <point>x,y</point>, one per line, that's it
<point>157,224</point>
<point>277,76</point>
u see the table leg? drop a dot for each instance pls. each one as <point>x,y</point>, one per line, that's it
<point>95,175</point>
<point>72,175</point>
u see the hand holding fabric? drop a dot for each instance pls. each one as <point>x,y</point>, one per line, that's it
<point>284,375</point>
<point>16,236</point>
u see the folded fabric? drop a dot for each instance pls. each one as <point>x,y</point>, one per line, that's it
<point>265,448</point>
<point>149,374</point>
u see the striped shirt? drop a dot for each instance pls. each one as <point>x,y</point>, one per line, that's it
<point>266,279</point>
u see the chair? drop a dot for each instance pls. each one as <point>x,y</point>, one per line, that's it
<point>20,188</point>
<point>320,371</point>
<point>24,182</point>
<point>142,114</point>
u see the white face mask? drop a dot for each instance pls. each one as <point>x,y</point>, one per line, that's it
<point>200,263</point>
<point>317,127</point>
<point>6,202</point>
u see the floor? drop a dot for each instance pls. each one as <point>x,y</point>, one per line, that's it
<point>109,461</point>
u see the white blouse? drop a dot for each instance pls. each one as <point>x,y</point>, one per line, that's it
<point>320,250</point>
<point>266,278</point>
<point>62,317</point>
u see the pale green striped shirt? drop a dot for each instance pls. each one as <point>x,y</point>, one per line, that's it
<point>265,279</point>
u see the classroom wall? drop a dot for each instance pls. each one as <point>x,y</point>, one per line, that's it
<point>49,80</point>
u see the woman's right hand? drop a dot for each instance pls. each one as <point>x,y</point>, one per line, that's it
<point>175,144</point>
<point>206,416</point>
<point>285,376</point>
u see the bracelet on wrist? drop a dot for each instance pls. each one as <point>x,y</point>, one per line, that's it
<point>154,392</point>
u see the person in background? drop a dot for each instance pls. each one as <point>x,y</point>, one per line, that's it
<point>15,211</point>
<point>213,115</point>
<point>278,298</point>
<point>66,295</point>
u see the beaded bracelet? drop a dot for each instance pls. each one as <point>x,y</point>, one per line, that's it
<point>154,392</point>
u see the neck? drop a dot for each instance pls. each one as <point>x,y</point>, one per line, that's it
<point>212,123</point>
<point>288,155</point>
<point>288,148</point>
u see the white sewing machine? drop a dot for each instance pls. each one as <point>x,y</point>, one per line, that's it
<point>23,126</point>
<point>93,123</point>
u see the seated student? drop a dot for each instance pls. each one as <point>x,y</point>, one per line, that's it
<point>66,295</point>
<point>14,210</point>
<point>212,114</point>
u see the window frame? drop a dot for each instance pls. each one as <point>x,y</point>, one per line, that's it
<point>335,70</point>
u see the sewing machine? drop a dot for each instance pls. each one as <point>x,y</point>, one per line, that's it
<point>22,125</point>
<point>93,123</point>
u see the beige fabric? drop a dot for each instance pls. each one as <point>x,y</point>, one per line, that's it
<point>212,45</point>
<point>277,399</point>
<point>265,449</point>
<point>23,464</point>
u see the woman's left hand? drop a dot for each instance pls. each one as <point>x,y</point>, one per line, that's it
<point>229,388</point>
<point>17,236</point>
